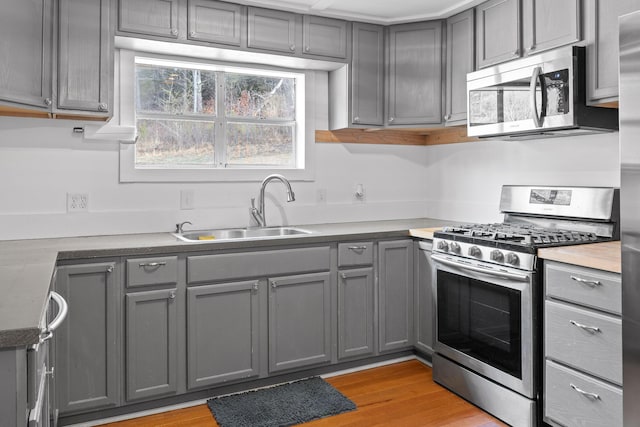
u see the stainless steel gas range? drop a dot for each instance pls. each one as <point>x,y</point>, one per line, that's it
<point>489,293</point>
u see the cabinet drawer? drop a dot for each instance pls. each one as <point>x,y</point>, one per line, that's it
<point>207,268</point>
<point>152,271</point>
<point>585,286</point>
<point>355,253</point>
<point>568,340</point>
<point>567,403</point>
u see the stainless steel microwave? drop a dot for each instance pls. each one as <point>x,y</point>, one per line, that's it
<point>537,96</point>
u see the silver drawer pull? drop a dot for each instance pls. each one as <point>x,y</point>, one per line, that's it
<point>357,248</point>
<point>172,295</point>
<point>591,329</point>
<point>585,393</point>
<point>343,275</point>
<point>151,264</point>
<point>590,283</point>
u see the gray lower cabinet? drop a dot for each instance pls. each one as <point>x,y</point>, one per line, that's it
<point>149,17</point>
<point>367,75</point>
<point>395,298</point>
<point>424,301</point>
<point>26,37</point>
<point>215,22</point>
<point>85,56</point>
<point>151,353</point>
<point>460,61</point>
<point>299,321</point>
<point>87,344</point>
<point>582,346</point>
<point>355,312</point>
<point>222,333</point>
<point>273,30</point>
<point>414,77</point>
<point>601,37</point>
<point>498,32</point>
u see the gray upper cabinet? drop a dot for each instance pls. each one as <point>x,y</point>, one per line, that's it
<point>151,360</point>
<point>87,345</point>
<point>395,270</point>
<point>85,56</point>
<point>414,78</point>
<point>222,333</point>
<point>601,36</point>
<point>299,321</point>
<point>547,24</point>
<point>460,61</point>
<point>26,43</point>
<point>273,30</point>
<point>149,17</point>
<point>424,302</point>
<point>355,312</point>
<point>215,22</point>
<point>498,32</point>
<point>367,75</point>
<point>324,36</point>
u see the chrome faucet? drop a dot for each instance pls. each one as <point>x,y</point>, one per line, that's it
<point>258,213</point>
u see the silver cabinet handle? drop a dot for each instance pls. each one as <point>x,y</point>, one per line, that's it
<point>255,286</point>
<point>152,264</point>
<point>593,396</point>
<point>516,52</point>
<point>447,117</point>
<point>357,248</point>
<point>174,32</point>
<point>391,119</point>
<point>172,295</point>
<point>292,47</point>
<point>192,34</point>
<point>343,275</point>
<point>590,283</point>
<point>590,329</point>
<point>48,101</point>
<point>307,48</point>
<point>110,269</point>
<point>356,119</point>
<point>63,309</point>
<point>274,284</point>
<point>103,106</point>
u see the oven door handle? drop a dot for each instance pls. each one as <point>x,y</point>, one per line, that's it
<point>502,274</point>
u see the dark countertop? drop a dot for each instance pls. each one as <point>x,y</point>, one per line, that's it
<point>27,266</point>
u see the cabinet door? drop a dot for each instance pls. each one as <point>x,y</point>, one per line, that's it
<point>26,42</point>
<point>151,352</point>
<point>222,333</point>
<point>215,21</point>
<point>85,56</point>
<point>424,299</point>
<point>497,32</point>
<point>355,312</point>
<point>299,321</point>
<point>601,36</point>
<point>547,24</point>
<point>87,346</point>
<point>272,30</point>
<point>395,283</point>
<point>324,36</point>
<point>460,61</point>
<point>367,75</point>
<point>415,74</point>
<point>149,17</point>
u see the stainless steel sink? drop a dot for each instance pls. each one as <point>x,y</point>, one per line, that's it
<point>204,236</point>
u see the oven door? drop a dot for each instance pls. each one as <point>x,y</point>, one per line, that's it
<point>485,320</point>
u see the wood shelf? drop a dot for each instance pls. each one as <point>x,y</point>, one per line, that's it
<point>417,136</point>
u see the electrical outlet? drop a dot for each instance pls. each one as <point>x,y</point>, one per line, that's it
<point>77,202</point>
<point>321,196</point>
<point>187,199</point>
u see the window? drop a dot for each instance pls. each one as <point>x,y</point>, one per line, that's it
<point>200,121</point>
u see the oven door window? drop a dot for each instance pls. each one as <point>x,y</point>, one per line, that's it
<point>481,320</point>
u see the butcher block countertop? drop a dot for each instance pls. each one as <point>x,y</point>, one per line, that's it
<point>423,233</point>
<point>602,256</point>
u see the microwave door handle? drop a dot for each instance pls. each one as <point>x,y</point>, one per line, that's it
<point>536,77</point>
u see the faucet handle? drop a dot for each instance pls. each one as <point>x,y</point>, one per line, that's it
<point>253,203</point>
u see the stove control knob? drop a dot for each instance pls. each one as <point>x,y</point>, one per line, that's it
<point>497,256</point>
<point>443,246</point>
<point>512,259</point>
<point>454,248</point>
<point>475,251</point>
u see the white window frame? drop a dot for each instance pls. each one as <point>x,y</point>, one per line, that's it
<point>305,132</point>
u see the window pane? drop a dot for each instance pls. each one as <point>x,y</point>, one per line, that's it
<point>175,90</point>
<point>175,143</point>
<point>259,97</point>
<point>260,145</point>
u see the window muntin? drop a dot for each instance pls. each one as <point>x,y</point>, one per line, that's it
<point>203,116</point>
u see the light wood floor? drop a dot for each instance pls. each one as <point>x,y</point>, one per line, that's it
<point>399,395</point>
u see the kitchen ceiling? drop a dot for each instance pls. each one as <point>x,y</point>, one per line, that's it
<point>376,11</point>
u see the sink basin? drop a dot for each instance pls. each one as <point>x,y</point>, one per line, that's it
<point>239,234</point>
